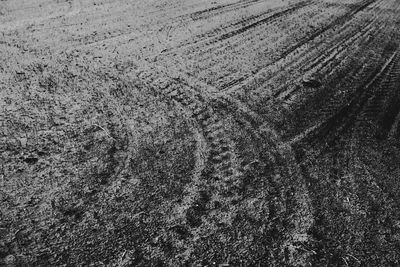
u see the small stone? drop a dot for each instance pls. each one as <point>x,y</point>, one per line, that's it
<point>311,80</point>
<point>23,141</point>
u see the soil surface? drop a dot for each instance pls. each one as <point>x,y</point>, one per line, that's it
<point>200,133</point>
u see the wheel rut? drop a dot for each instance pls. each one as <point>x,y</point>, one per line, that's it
<point>327,62</point>
<point>243,82</point>
<point>233,144</point>
<point>364,107</point>
<point>378,116</point>
<point>213,11</point>
<point>241,26</point>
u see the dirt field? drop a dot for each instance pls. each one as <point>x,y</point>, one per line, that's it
<point>200,133</point>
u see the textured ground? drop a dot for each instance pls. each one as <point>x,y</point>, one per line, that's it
<point>180,132</point>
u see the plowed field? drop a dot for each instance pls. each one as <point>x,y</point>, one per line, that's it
<point>200,133</point>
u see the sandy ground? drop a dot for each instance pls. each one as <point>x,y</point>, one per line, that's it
<point>199,133</point>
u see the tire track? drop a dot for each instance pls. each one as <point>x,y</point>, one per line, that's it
<point>260,22</point>
<point>216,149</point>
<point>382,106</point>
<point>361,37</point>
<point>356,37</point>
<point>221,170</point>
<point>338,21</point>
<point>238,27</point>
<point>326,63</point>
<point>239,84</point>
<point>342,121</point>
<point>181,20</point>
<point>340,47</point>
<point>394,131</point>
<point>351,34</point>
<point>359,75</point>
<point>128,33</point>
<point>349,82</point>
<point>213,11</point>
<point>325,59</point>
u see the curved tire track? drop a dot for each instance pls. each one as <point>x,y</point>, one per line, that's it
<point>221,169</point>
